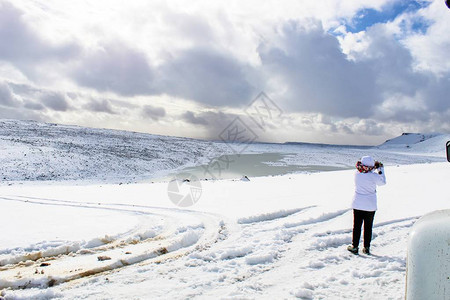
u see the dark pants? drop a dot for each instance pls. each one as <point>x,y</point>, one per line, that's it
<point>360,216</point>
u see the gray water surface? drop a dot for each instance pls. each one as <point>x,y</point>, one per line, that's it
<point>251,165</point>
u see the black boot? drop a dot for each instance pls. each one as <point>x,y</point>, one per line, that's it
<point>352,249</point>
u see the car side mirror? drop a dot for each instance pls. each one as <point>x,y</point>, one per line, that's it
<point>448,151</point>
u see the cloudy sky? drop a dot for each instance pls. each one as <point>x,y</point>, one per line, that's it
<point>331,71</point>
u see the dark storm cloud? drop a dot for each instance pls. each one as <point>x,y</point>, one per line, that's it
<point>100,106</point>
<point>55,101</point>
<point>392,63</point>
<point>207,76</point>
<point>199,74</point>
<point>116,68</point>
<point>32,105</point>
<point>22,89</point>
<point>14,108</point>
<point>437,94</point>
<point>152,112</point>
<point>421,93</point>
<point>7,98</point>
<point>381,83</point>
<point>191,118</point>
<point>40,99</point>
<point>21,114</point>
<point>318,76</point>
<point>21,44</point>
<point>211,119</point>
<point>217,122</point>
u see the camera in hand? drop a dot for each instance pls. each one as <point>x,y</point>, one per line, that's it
<point>378,165</point>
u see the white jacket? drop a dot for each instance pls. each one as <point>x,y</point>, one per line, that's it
<point>365,197</point>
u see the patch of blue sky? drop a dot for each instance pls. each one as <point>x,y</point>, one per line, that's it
<point>368,16</point>
<point>417,25</point>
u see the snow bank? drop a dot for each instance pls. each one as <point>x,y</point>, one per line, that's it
<point>260,259</point>
<point>303,294</point>
<point>269,216</point>
<point>35,294</point>
<point>332,242</point>
<point>32,256</point>
<point>43,250</point>
<point>235,252</point>
<point>188,238</point>
<point>323,217</point>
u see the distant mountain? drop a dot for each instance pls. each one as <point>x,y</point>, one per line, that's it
<point>410,138</point>
<point>430,143</point>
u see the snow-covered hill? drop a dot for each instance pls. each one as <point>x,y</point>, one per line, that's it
<point>410,138</point>
<point>32,151</point>
<point>419,143</point>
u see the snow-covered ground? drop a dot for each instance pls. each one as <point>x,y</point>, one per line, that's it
<point>281,237</point>
<point>32,151</point>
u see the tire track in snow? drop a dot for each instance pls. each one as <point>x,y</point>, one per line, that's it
<point>199,232</point>
<point>135,235</point>
<point>260,249</point>
<point>342,237</point>
<point>315,261</point>
<point>351,272</point>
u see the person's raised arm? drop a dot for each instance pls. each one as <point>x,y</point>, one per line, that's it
<point>381,176</point>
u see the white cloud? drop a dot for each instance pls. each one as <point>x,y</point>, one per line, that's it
<point>215,56</point>
<point>430,50</point>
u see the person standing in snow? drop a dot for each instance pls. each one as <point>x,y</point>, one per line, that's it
<point>369,174</point>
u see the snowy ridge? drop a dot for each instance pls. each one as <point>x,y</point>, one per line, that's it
<point>323,217</point>
<point>32,151</point>
<point>434,145</point>
<point>417,143</point>
<point>269,216</point>
<point>410,138</point>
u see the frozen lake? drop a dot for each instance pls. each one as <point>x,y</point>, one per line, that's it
<point>253,165</point>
